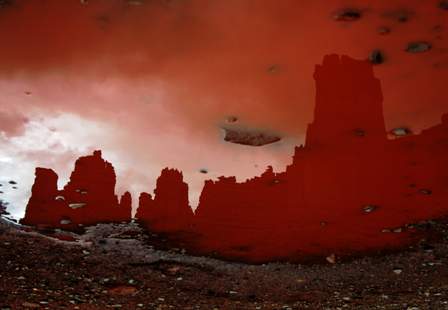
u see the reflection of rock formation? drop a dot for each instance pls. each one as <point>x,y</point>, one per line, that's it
<point>348,189</point>
<point>89,197</point>
<point>345,189</point>
<point>348,105</point>
<point>169,211</point>
<point>44,199</point>
<point>317,201</point>
<point>125,207</point>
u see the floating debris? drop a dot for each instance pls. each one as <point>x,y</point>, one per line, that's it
<point>249,137</point>
<point>1,192</point>
<point>443,5</point>
<point>203,171</point>
<point>273,69</point>
<point>376,57</point>
<point>14,187</point>
<point>397,270</point>
<point>65,222</point>
<point>397,230</point>
<point>369,208</point>
<point>28,93</point>
<point>359,132</point>
<point>418,47</point>
<point>59,198</point>
<point>77,205</point>
<point>401,16</point>
<point>425,191</point>
<point>347,15</point>
<point>231,119</point>
<point>400,131</point>
<point>12,182</point>
<point>383,30</point>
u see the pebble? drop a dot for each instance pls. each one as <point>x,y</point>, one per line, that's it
<point>331,259</point>
<point>401,131</point>
<point>376,57</point>
<point>383,30</point>
<point>348,15</point>
<point>369,208</point>
<point>425,191</point>
<point>418,47</point>
<point>273,69</point>
<point>231,119</point>
<point>30,305</point>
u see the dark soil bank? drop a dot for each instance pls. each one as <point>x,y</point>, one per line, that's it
<point>115,266</point>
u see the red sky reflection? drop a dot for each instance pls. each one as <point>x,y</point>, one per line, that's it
<point>152,82</point>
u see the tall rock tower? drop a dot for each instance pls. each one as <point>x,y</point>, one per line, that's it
<point>348,104</point>
<point>42,207</point>
<point>169,211</point>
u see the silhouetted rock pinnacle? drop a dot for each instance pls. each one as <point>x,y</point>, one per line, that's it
<point>88,198</point>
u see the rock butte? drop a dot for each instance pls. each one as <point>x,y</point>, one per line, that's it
<point>346,164</point>
<point>88,198</point>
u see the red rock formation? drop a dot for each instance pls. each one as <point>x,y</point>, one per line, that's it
<point>145,207</point>
<point>44,205</point>
<point>88,198</point>
<point>345,189</point>
<point>348,105</point>
<point>170,210</point>
<point>348,189</point>
<point>126,206</point>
